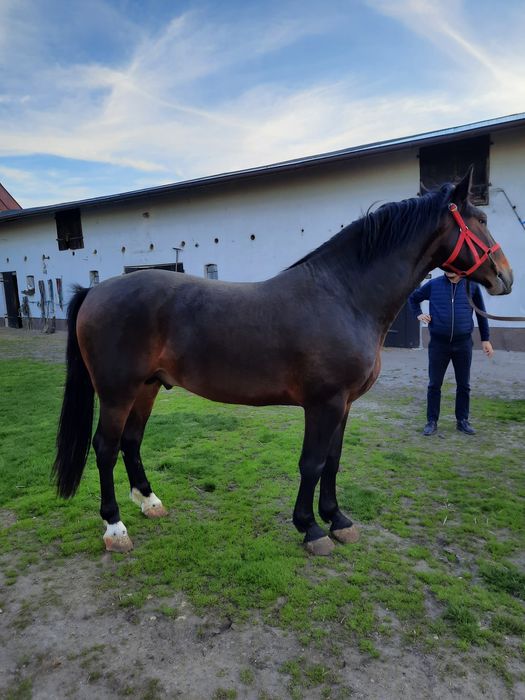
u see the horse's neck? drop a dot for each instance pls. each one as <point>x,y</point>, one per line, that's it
<point>382,286</point>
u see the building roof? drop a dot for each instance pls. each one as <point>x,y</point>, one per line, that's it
<point>378,147</point>
<point>7,202</point>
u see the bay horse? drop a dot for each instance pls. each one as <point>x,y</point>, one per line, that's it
<point>310,336</point>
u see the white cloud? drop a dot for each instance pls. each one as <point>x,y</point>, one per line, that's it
<point>149,112</point>
<point>121,115</point>
<point>467,39</point>
<point>17,175</point>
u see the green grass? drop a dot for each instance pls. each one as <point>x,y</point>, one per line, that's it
<point>443,520</point>
<point>21,691</point>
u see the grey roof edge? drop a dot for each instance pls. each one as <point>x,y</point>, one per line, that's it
<point>376,147</point>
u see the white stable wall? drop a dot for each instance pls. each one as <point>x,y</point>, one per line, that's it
<point>288,216</point>
<point>507,176</point>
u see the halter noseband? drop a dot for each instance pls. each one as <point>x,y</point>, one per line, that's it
<point>466,236</point>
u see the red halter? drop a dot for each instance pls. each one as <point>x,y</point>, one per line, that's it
<point>466,236</point>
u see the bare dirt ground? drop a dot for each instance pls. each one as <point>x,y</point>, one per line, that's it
<point>64,635</point>
<point>501,376</point>
<point>74,642</point>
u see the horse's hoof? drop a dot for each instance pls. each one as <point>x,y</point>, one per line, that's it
<point>346,535</point>
<point>116,538</point>
<point>119,543</point>
<point>321,547</point>
<point>157,510</point>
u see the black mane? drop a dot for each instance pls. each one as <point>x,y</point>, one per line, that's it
<point>380,231</point>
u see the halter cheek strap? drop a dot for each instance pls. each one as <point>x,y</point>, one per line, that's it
<point>467,237</point>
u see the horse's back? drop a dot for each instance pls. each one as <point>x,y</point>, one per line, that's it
<point>145,298</point>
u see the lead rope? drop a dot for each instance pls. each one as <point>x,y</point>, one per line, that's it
<point>485,314</point>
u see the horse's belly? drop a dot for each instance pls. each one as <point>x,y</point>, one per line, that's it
<point>233,384</point>
<point>240,393</point>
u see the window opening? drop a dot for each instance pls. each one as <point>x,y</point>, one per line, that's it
<point>69,229</point>
<point>93,278</point>
<point>172,267</point>
<point>211,271</point>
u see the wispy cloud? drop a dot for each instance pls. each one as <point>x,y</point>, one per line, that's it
<point>468,40</point>
<point>145,113</point>
<point>179,101</point>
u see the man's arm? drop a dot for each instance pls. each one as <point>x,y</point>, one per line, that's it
<point>483,324</point>
<point>414,301</point>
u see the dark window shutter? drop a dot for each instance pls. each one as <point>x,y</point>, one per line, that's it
<point>69,229</point>
<point>448,162</point>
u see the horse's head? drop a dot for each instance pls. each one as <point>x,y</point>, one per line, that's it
<point>468,246</point>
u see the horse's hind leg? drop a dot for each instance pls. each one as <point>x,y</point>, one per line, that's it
<point>342,528</point>
<point>141,492</point>
<point>106,442</point>
<point>321,423</point>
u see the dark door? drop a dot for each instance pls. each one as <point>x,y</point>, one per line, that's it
<point>12,302</point>
<point>404,332</point>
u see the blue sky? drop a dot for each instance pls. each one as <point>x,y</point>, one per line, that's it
<point>106,96</point>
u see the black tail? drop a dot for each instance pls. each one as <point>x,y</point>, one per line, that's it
<point>76,419</point>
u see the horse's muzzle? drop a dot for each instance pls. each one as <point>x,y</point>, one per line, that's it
<point>503,284</point>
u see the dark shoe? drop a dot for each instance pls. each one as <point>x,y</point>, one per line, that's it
<point>430,428</point>
<point>464,427</point>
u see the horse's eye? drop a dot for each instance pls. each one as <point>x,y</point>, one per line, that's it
<point>482,221</point>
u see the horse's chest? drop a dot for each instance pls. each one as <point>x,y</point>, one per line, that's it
<point>358,371</point>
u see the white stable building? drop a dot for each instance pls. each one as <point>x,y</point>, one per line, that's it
<point>249,225</point>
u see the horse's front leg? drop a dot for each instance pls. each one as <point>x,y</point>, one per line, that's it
<point>140,489</point>
<point>321,423</point>
<point>342,528</point>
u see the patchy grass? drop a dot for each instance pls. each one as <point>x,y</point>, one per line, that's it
<point>20,691</point>
<point>443,521</point>
<point>504,577</point>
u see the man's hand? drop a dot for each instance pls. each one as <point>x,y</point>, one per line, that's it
<point>425,318</point>
<point>487,348</point>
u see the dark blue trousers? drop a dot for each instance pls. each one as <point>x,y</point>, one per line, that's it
<point>440,352</point>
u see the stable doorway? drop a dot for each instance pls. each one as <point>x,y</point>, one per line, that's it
<point>12,300</point>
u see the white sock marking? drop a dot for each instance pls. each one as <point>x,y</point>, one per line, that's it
<point>115,530</point>
<point>145,502</point>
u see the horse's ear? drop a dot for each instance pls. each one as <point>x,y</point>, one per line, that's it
<point>462,189</point>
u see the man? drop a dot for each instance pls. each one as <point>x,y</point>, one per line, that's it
<point>450,324</point>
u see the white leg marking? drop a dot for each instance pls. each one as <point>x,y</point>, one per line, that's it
<point>145,502</point>
<point>116,537</point>
<point>150,505</point>
<point>115,530</point>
